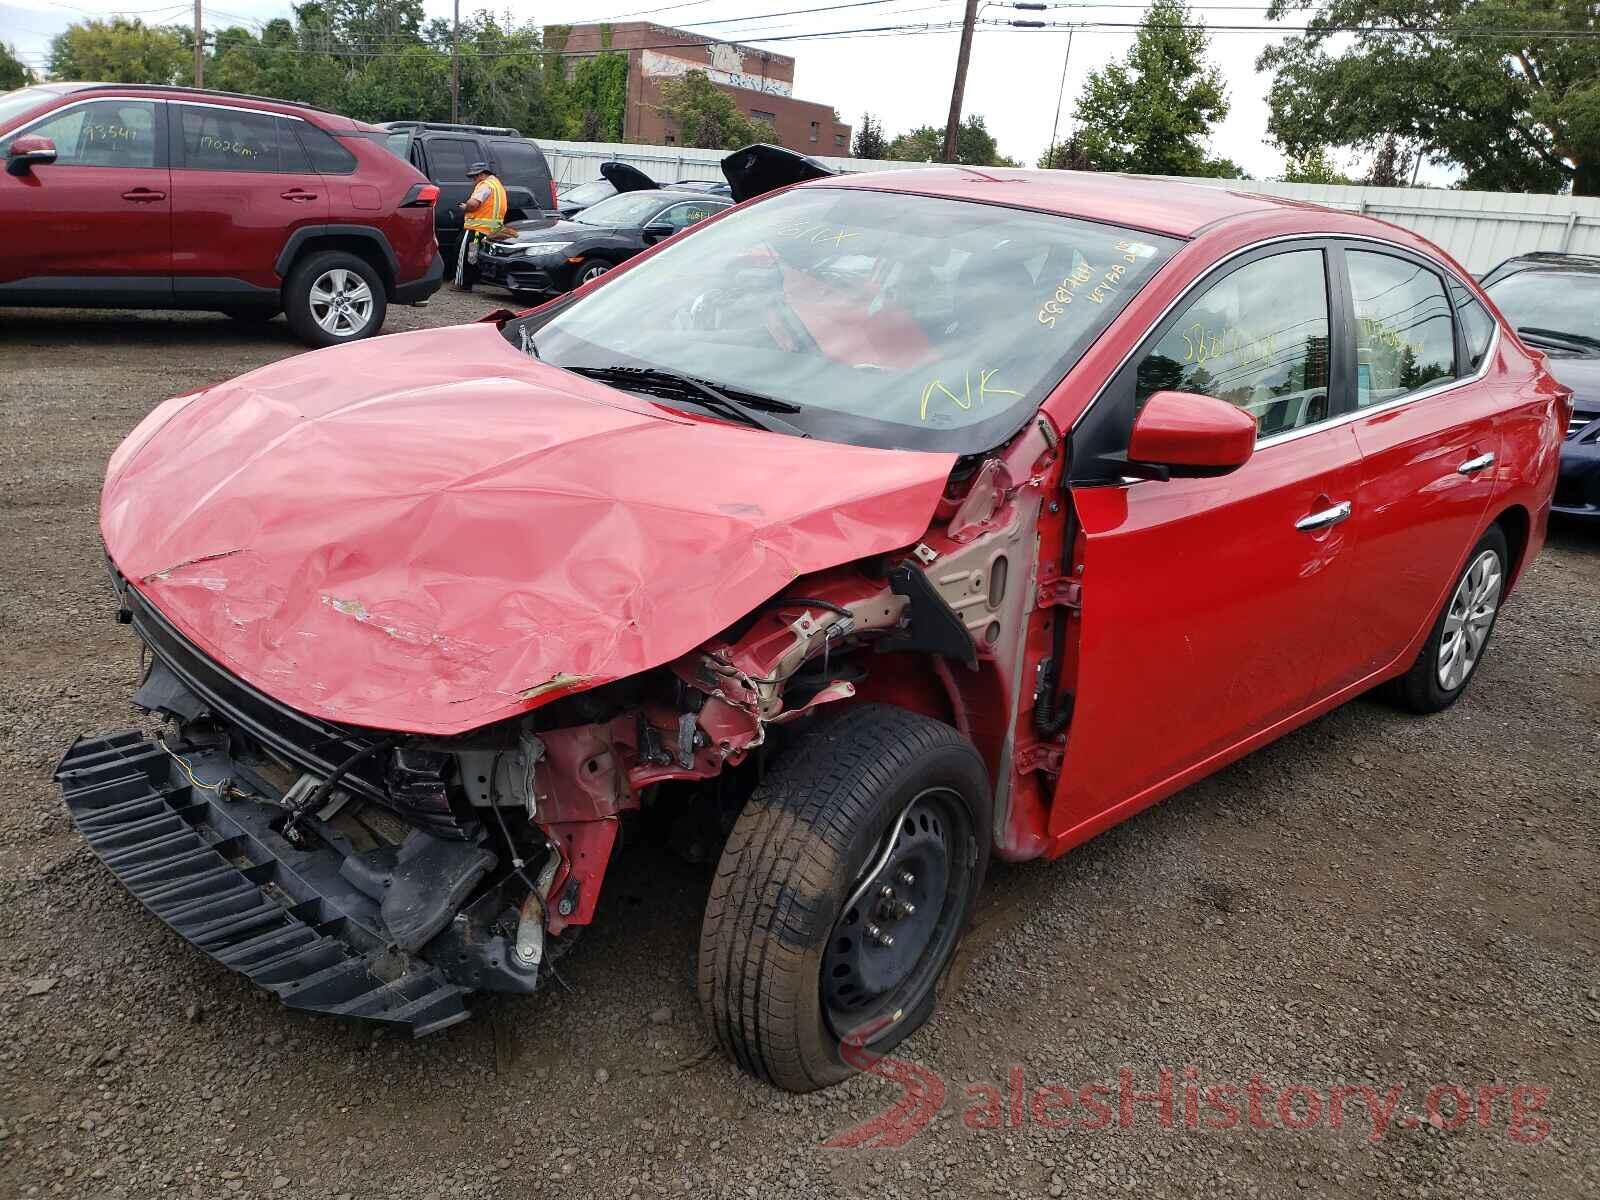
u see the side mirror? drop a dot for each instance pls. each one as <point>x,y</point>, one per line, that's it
<point>1189,434</point>
<point>658,231</point>
<point>28,152</point>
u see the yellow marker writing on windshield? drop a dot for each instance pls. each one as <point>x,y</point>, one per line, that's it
<point>965,400</point>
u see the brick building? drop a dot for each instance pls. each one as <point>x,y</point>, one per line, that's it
<point>760,82</point>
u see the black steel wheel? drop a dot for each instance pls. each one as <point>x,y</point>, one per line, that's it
<point>843,892</point>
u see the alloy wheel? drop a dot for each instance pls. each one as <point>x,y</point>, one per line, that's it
<point>341,302</point>
<point>1471,616</point>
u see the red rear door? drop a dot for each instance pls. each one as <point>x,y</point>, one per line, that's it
<point>241,185</point>
<point>97,222</point>
<point>1429,437</point>
<point>1209,605</point>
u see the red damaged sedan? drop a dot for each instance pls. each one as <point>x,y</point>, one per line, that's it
<point>880,525</point>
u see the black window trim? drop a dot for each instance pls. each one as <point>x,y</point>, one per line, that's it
<point>1083,426</point>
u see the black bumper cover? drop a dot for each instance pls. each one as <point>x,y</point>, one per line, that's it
<point>420,289</point>
<point>219,874</point>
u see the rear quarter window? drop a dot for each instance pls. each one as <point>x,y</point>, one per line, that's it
<point>327,156</point>
<point>519,162</point>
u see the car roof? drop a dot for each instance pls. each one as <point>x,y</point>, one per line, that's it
<point>669,192</point>
<point>334,122</point>
<point>1552,260</point>
<point>1166,206</point>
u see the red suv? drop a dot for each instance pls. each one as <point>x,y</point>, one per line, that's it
<point>138,196</point>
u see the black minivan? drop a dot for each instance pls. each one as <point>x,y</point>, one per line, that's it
<point>443,153</point>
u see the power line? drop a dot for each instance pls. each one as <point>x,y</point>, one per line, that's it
<point>788,13</point>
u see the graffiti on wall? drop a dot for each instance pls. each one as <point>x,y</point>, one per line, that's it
<point>726,66</point>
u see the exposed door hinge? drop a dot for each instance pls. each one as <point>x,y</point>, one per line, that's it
<point>1056,592</point>
<point>1039,756</point>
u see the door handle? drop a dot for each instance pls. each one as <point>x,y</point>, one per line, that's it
<point>298,194</point>
<point>1325,518</point>
<point>143,195</point>
<point>1476,464</point>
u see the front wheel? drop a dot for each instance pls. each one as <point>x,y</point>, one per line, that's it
<point>590,271</point>
<point>1455,647</point>
<point>333,297</point>
<point>842,892</point>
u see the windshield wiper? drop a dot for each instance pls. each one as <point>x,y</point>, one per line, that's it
<point>1558,335</point>
<point>749,407</point>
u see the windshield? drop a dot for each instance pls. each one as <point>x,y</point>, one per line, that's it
<point>621,212</point>
<point>15,104</point>
<point>888,319</point>
<point>588,193</point>
<point>1556,301</point>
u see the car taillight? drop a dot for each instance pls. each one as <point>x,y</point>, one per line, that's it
<point>421,195</point>
<point>555,198</point>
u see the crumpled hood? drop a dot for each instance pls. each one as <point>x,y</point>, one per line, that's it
<point>431,531</point>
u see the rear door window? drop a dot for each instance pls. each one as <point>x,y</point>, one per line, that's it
<point>1405,340</point>
<point>228,139</point>
<point>106,133</point>
<point>449,158</point>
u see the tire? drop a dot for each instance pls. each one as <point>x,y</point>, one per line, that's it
<point>796,890</point>
<point>1441,674</point>
<point>326,274</point>
<point>589,271</point>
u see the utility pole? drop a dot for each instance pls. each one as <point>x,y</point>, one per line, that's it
<point>199,48</point>
<point>455,67</point>
<point>953,126</point>
<point>1055,129</point>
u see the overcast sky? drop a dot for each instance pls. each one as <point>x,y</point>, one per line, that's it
<point>904,79</point>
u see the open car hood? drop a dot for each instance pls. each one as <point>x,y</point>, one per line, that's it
<point>758,169</point>
<point>431,531</point>
<point>626,178</point>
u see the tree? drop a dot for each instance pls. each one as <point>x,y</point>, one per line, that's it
<point>975,145</point>
<point>13,74</point>
<point>1313,167</point>
<point>1065,156</point>
<point>870,142</point>
<point>1392,165</point>
<point>707,117</point>
<point>1516,111</point>
<point>1152,112</point>
<point>596,97</point>
<point>119,51</point>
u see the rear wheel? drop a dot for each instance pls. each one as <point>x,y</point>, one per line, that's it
<point>334,297</point>
<point>1451,655</point>
<point>842,893</point>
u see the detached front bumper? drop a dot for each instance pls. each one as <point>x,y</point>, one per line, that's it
<point>219,874</point>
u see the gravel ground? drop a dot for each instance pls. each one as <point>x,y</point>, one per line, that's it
<point>1375,900</point>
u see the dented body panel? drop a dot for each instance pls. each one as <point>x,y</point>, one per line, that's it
<point>433,532</point>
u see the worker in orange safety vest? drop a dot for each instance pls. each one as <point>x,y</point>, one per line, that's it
<point>485,212</point>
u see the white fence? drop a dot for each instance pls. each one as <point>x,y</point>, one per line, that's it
<point>1478,228</point>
